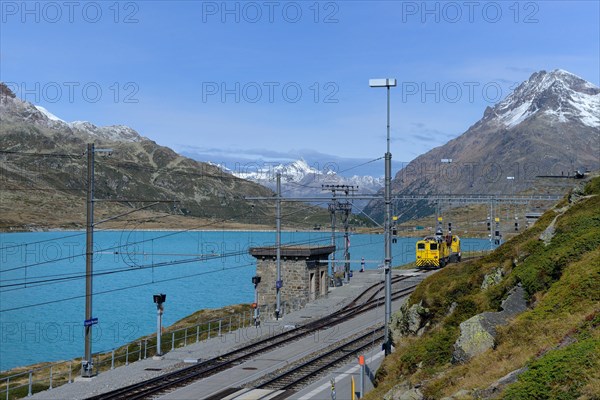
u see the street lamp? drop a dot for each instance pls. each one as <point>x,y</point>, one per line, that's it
<point>387,345</point>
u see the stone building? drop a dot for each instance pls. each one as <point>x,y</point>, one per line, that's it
<point>303,274</point>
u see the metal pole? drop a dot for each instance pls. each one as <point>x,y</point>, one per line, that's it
<point>256,310</point>
<point>332,209</point>
<point>346,242</point>
<point>361,392</point>
<point>279,283</point>
<point>388,236</point>
<point>87,365</point>
<point>159,313</point>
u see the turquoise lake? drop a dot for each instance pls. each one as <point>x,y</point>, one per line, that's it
<point>42,285</point>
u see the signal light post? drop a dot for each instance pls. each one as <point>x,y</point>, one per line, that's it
<point>387,345</point>
<point>256,281</point>
<point>159,299</point>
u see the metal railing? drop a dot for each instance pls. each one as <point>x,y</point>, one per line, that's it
<point>47,377</point>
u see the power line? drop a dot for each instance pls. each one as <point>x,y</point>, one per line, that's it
<point>360,165</point>
<point>71,276</point>
<point>123,288</point>
<point>119,246</point>
<point>30,154</point>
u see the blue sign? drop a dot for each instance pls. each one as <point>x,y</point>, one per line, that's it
<point>90,322</point>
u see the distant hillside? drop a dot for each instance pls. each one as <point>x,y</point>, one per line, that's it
<point>520,323</point>
<point>42,170</point>
<point>549,125</point>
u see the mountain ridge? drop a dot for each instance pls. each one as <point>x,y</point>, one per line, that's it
<point>549,125</point>
<point>43,154</point>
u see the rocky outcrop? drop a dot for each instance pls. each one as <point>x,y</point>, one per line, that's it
<point>496,388</point>
<point>478,333</point>
<point>411,320</point>
<point>493,278</point>
<point>462,394</point>
<point>403,391</point>
<point>548,233</point>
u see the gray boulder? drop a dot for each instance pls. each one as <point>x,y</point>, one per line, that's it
<point>410,320</point>
<point>478,333</point>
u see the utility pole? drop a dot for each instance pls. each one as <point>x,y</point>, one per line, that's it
<point>332,210</point>
<point>279,282</point>
<point>388,235</point>
<point>87,366</point>
<point>346,208</point>
<point>387,345</point>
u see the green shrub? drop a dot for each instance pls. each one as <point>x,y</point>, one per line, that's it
<point>560,374</point>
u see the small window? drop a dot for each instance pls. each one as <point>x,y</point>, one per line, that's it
<point>433,246</point>
<point>421,246</point>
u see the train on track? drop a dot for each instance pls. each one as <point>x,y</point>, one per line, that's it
<point>439,250</point>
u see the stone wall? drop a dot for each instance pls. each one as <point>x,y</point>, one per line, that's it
<point>303,272</point>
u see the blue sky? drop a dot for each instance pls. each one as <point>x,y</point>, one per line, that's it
<point>236,81</point>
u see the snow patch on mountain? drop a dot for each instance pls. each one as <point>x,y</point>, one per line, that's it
<point>48,114</point>
<point>517,115</point>
<point>118,133</point>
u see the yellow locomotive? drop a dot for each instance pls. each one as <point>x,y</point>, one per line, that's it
<point>439,250</point>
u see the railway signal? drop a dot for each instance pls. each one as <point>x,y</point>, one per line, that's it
<point>255,281</point>
<point>159,299</point>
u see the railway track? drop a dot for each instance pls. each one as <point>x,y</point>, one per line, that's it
<point>368,300</point>
<point>294,378</point>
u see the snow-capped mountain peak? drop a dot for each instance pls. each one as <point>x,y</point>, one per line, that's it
<point>12,106</point>
<point>559,94</point>
<point>299,179</point>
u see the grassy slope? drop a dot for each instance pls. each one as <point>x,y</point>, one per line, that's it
<point>557,338</point>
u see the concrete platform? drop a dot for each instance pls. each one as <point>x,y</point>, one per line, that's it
<point>252,369</point>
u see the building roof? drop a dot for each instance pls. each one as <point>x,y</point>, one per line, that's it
<point>292,251</point>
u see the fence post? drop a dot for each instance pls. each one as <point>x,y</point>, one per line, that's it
<point>220,327</point>
<point>197,333</point>
<point>230,324</point>
<point>208,331</point>
<point>70,370</point>
<point>145,348</point>
<point>140,355</point>
<point>127,355</point>
<point>185,337</point>
<point>173,341</point>
<point>112,359</point>
<point>50,377</point>
<point>7,386</point>
<point>30,383</point>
